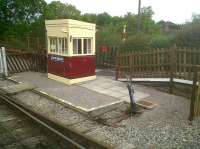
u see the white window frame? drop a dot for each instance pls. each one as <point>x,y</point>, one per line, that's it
<point>82,46</point>
<point>77,50</point>
<point>59,45</point>
<point>87,45</point>
<point>52,39</point>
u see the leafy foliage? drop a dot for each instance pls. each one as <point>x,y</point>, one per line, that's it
<point>137,41</point>
<point>58,10</point>
<point>162,41</point>
<point>16,16</point>
<point>20,18</point>
<point>189,36</point>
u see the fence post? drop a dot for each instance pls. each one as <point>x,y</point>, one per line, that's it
<point>37,56</point>
<point>130,63</point>
<point>3,61</point>
<point>194,91</point>
<point>46,47</point>
<point>28,42</point>
<point>38,43</point>
<point>117,65</point>
<point>172,67</point>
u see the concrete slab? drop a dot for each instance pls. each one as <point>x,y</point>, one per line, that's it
<point>114,94</point>
<point>86,96</point>
<point>76,96</point>
<point>108,86</point>
<point>16,88</point>
<point>125,98</point>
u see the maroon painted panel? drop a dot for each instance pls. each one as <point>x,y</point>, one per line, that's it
<point>72,67</point>
<point>56,65</point>
<point>80,66</point>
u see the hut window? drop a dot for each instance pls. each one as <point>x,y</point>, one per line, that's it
<point>53,44</point>
<point>66,46</point>
<point>77,46</point>
<point>87,46</point>
<point>58,45</point>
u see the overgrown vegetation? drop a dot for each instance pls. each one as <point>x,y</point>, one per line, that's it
<point>25,18</point>
<point>189,35</point>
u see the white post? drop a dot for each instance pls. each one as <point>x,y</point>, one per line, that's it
<point>5,70</point>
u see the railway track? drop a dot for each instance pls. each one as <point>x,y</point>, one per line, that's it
<point>60,136</point>
<point>17,132</point>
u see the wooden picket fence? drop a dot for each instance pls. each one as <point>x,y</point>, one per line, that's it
<point>21,62</point>
<point>158,63</point>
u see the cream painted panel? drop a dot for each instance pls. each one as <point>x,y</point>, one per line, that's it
<point>69,22</point>
<point>70,81</point>
<point>58,31</point>
<point>78,32</point>
<point>73,28</point>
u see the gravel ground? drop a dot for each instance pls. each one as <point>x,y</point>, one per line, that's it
<point>67,117</point>
<point>166,126</point>
<point>5,83</point>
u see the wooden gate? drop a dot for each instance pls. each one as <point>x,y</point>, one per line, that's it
<point>20,62</point>
<point>105,56</point>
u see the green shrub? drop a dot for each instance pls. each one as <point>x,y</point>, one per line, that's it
<point>161,41</point>
<point>189,36</point>
<point>108,38</point>
<point>137,41</point>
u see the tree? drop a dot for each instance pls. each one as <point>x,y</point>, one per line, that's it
<point>103,19</point>
<point>148,25</point>
<point>16,16</point>
<point>92,18</point>
<point>130,20</point>
<point>189,35</point>
<point>58,10</point>
<point>196,18</point>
